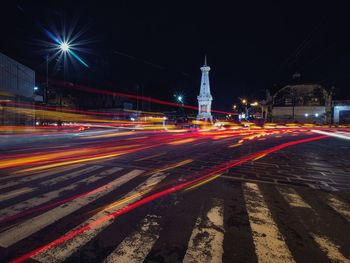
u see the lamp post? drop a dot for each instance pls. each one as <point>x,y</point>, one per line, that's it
<point>245,103</point>
<point>65,48</point>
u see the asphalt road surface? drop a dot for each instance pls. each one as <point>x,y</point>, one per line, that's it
<point>279,195</point>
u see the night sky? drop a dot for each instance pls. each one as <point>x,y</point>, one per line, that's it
<point>159,46</point>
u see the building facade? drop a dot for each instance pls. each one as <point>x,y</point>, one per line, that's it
<point>204,98</point>
<point>341,112</point>
<point>305,103</point>
<point>17,84</point>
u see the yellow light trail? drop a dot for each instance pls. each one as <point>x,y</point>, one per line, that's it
<point>172,166</point>
<point>234,145</point>
<point>150,157</point>
<point>182,141</point>
<point>107,135</point>
<point>48,166</point>
<point>260,156</point>
<point>203,182</point>
<point>64,154</point>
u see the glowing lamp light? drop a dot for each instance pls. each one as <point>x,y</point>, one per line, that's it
<point>64,46</point>
<point>179,98</point>
<point>316,115</point>
<point>306,114</point>
<point>36,88</point>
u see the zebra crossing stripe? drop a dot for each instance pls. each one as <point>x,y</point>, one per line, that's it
<point>62,251</point>
<point>29,227</point>
<point>339,206</point>
<point>136,247</point>
<point>53,181</point>
<point>206,242</point>
<point>331,249</point>
<point>269,242</point>
<point>326,245</point>
<point>292,197</point>
<point>68,176</point>
<point>15,193</point>
<point>28,178</point>
<point>38,200</point>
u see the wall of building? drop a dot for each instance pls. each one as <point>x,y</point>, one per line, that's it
<point>337,111</point>
<point>301,114</point>
<point>16,86</point>
<point>16,78</point>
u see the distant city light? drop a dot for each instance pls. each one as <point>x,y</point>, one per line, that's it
<point>132,119</point>
<point>36,88</point>
<point>255,103</point>
<point>234,107</point>
<point>306,114</point>
<point>316,115</point>
<point>64,46</point>
<point>244,101</point>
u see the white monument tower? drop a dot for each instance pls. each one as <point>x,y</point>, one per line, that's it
<point>205,98</point>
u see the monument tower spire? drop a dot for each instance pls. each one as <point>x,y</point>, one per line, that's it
<point>204,98</point>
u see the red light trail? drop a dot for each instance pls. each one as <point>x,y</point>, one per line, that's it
<point>213,172</point>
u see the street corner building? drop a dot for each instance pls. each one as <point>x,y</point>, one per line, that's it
<point>204,98</point>
<point>304,103</point>
<point>16,88</point>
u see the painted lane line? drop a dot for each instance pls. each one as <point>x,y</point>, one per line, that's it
<point>38,200</point>
<point>206,242</point>
<point>27,228</point>
<point>135,248</point>
<point>62,251</point>
<point>269,242</point>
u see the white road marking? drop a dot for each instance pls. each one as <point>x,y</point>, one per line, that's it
<point>25,190</point>
<point>41,199</point>
<point>331,249</point>
<point>27,228</point>
<point>61,252</point>
<point>15,193</point>
<point>339,206</point>
<point>206,242</point>
<point>28,178</point>
<point>292,197</point>
<point>269,242</point>
<point>68,176</point>
<point>135,248</point>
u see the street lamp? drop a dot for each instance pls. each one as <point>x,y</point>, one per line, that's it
<point>245,102</point>
<point>64,46</point>
<point>179,98</point>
